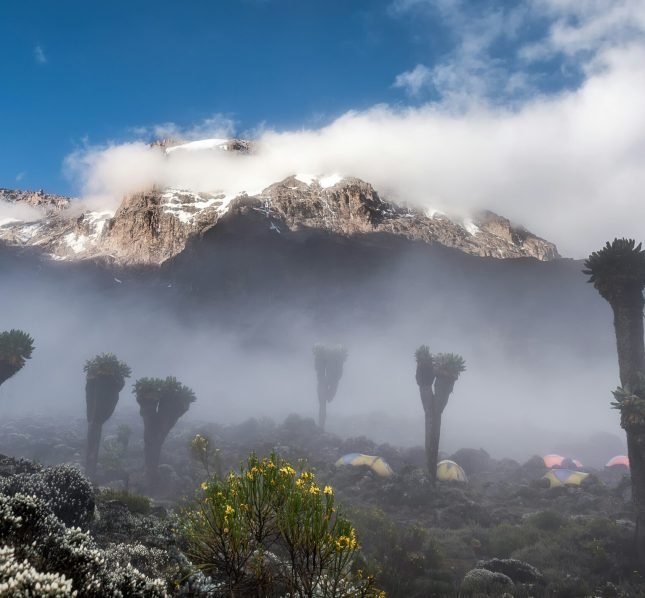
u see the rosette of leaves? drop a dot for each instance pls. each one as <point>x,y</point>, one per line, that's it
<point>447,367</point>
<point>162,401</point>
<point>631,405</point>
<point>16,347</point>
<point>328,362</point>
<point>104,379</point>
<point>618,264</point>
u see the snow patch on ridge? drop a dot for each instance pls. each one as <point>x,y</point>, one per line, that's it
<point>76,242</point>
<point>202,144</point>
<point>186,205</point>
<point>325,181</point>
<point>471,227</point>
<point>97,221</point>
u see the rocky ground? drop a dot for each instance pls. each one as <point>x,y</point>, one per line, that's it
<point>502,533</point>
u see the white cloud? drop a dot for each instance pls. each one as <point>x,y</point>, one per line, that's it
<point>591,26</point>
<point>39,55</point>
<point>11,212</point>
<point>215,126</point>
<point>470,69</point>
<point>568,166</point>
<point>415,80</point>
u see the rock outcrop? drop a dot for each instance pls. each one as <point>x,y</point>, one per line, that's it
<point>152,226</point>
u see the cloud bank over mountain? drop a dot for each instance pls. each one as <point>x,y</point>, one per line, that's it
<point>568,164</point>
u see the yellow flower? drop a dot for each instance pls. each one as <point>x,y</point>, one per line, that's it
<point>288,470</point>
<point>328,490</point>
<point>300,483</point>
<point>204,486</point>
<point>229,510</point>
<point>313,489</point>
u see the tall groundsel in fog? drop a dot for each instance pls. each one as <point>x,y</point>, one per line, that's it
<point>617,272</point>
<point>16,347</point>
<point>161,403</point>
<point>436,376</point>
<point>329,362</point>
<point>104,379</point>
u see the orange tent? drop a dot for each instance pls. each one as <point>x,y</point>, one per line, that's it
<point>558,461</point>
<point>552,461</point>
<point>618,460</point>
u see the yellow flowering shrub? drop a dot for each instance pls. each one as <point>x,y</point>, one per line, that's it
<point>268,530</point>
<point>206,455</point>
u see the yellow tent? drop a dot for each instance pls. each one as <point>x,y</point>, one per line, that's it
<point>449,470</point>
<point>377,464</point>
<point>565,477</point>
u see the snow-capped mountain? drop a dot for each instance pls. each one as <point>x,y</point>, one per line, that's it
<point>152,226</point>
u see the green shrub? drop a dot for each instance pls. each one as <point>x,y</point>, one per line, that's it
<point>547,520</point>
<point>135,502</point>
<point>267,530</point>
<point>505,539</point>
<point>406,560</point>
<point>202,450</point>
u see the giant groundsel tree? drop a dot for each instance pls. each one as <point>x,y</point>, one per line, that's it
<point>104,379</point>
<point>328,362</point>
<point>161,403</point>
<point>16,347</point>
<point>617,272</point>
<point>436,376</point>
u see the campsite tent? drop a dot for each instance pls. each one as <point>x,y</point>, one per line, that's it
<point>618,461</point>
<point>449,470</point>
<point>565,477</point>
<point>554,461</point>
<point>376,464</point>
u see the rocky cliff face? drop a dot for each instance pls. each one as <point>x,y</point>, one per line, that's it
<point>349,206</point>
<point>153,226</point>
<point>37,199</point>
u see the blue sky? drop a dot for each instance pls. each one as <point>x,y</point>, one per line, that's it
<point>77,72</point>
<point>532,108</point>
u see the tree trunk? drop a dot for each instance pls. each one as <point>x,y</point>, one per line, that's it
<point>323,397</point>
<point>630,345</point>
<point>636,452</point>
<point>101,397</point>
<point>94,429</point>
<point>6,371</point>
<point>151,445</point>
<point>433,433</point>
<point>152,456</point>
<point>628,323</point>
<point>322,413</point>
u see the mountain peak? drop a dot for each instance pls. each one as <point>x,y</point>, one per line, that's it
<point>152,226</point>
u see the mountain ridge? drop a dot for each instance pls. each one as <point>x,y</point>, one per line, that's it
<point>154,225</point>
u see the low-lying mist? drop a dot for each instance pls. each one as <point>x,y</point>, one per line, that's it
<point>540,355</point>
